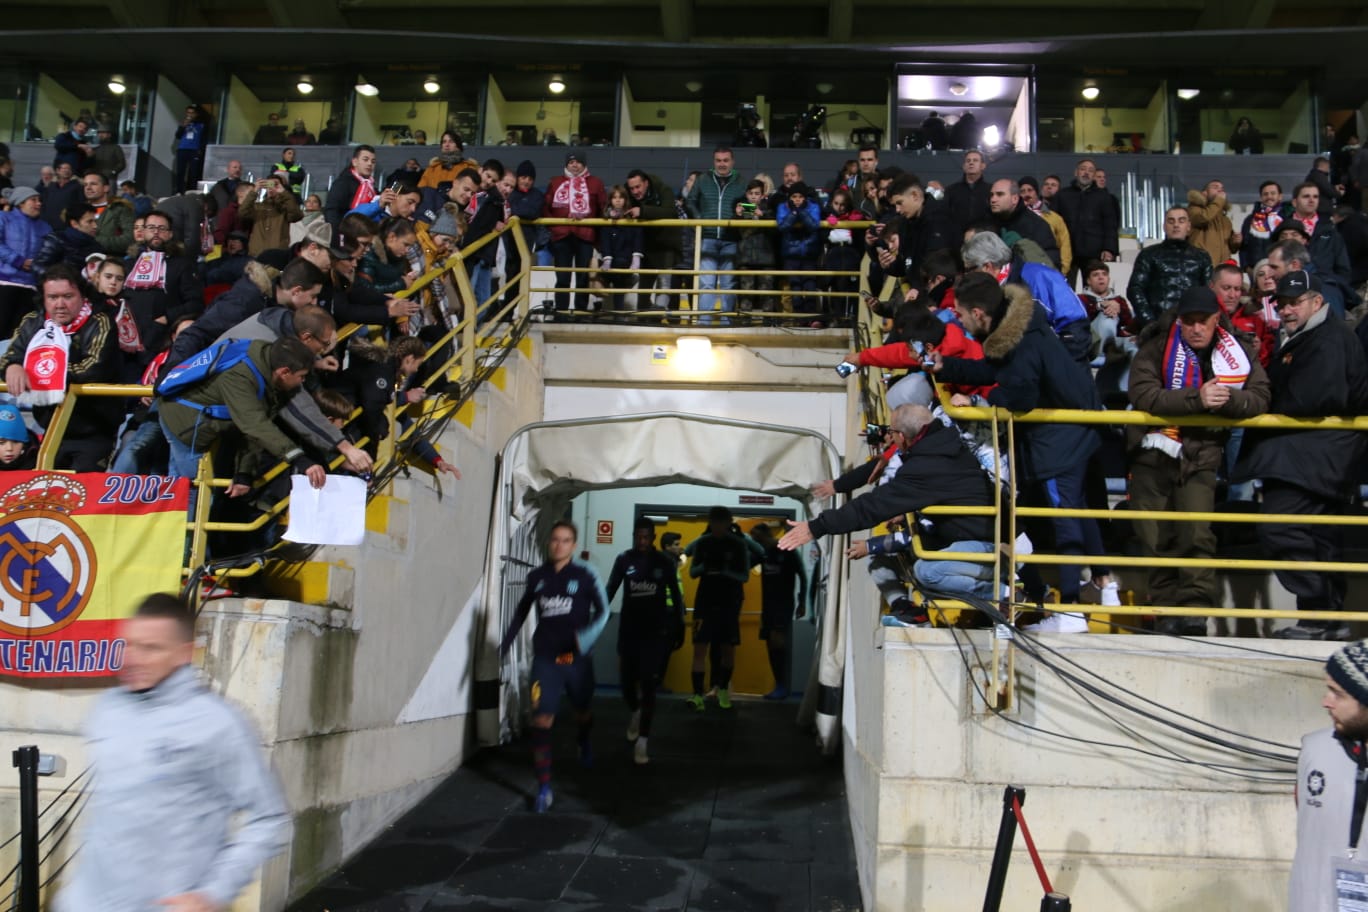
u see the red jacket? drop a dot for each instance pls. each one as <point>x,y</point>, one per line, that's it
<point>1125,319</point>
<point>1253,323</point>
<point>900,355</point>
<point>598,200</point>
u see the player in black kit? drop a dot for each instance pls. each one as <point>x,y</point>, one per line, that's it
<point>781,570</point>
<point>572,611</point>
<point>722,560</point>
<point>650,627</point>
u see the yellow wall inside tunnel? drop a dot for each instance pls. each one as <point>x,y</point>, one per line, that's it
<point>752,673</point>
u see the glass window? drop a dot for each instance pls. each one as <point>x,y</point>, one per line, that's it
<point>1093,111</point>
<point>265,107</point>
<point>941,108</point>
<point>549,104</point>
<point>414,106</point>
<point>119,102</point>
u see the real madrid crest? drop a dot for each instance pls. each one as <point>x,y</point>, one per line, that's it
<point>47,563</point>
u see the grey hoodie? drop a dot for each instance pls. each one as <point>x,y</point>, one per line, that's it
<point>172,767</point>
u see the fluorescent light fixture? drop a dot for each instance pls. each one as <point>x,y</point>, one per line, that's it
<point>117,85</point>
<point>958,88</point>
<point>1189,94</point>
<point>304,85</point>
<point>556,85</point>
<point>992,135</point>
<point>365,88</point>
<point>824,88</point>
<point>1090,93</point>
<point>431,85</point>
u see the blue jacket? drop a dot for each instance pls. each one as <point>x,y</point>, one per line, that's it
<point>21,238</point>
<point>800,237</point>
<point>1052,290</point>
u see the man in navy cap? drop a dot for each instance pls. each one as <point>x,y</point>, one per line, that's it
<point>1317,370</point>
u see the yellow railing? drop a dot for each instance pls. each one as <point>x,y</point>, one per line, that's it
<point>463,369</point>
<point>682,295</point>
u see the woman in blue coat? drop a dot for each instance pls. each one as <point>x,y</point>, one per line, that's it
<point>21,237</point>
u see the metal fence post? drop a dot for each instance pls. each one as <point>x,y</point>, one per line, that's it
<point>1002,854</point>
<point>26,760</point>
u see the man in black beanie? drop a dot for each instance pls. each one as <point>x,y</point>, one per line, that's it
<point>525,201</point>
<point>1332,783</point>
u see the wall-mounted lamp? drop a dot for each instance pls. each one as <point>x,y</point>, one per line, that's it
<point>695,352</point>
<point>305,85</point>
<point>694,86</point>
<point>556,85</point>
<point>1090,93</point>
<point>365,88</point>
<point>1189,94</point>
<point>117,85</point>
<point>431,85</point>
<point>958,88</point>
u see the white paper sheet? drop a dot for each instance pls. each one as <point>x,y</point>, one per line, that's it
<point>332,515</point>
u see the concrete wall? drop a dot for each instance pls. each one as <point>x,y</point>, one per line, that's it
<point>1116,830</point>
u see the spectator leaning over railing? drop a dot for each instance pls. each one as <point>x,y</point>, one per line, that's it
<point>1033,369</point>
<point>243,399</point>
<point>1191,362</point>
<point>1317,370</point>
<point>69,342</point>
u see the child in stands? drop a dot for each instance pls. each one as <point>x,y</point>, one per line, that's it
<point>1113,328</point>
<point>756,250</point>
<point>800,247</point>
<point>406,356</point>
<point>844,250</point>
<point>386,266</point>
<point>17,451</point>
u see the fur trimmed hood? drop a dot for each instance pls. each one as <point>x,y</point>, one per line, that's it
<point>262,276</point>
<point>1012,324</point>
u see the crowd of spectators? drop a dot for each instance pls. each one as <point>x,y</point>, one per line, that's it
<point>1003,293</point>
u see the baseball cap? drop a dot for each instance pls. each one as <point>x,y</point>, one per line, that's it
<point>316,232</point>
<point>1296,283</point>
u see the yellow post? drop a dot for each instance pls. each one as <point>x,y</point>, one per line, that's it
<point>697,267</point>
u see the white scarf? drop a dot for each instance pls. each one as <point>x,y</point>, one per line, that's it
<point>46,358</point>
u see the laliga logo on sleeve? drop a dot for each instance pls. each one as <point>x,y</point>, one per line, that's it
<point>47,564</point>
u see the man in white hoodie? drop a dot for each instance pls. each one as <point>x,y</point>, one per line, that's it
<point>174,764</point>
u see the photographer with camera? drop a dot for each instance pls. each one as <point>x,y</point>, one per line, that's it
<point>271,210</point>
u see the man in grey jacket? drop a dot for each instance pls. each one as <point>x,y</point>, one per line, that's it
<point>174,764</point>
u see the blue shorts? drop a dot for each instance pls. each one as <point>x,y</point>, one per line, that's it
<point>551,676</point>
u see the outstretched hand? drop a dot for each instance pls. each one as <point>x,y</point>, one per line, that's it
<point>798,535</point>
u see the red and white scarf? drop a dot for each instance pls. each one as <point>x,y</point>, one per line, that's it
<point>365,190</point>
<point>130,340</point>
<point>45,360</point>
<point>149,271</point>
<point>1309,222</point>
<point>573,195</point>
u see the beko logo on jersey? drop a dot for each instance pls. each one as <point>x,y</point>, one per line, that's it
<point>556,605</point>
<point>642,589</point>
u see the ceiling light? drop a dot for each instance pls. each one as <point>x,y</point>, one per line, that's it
<point>431,85</point>
<point>116,85</point>
<point>365,88</point>
<point>694,86</point>
<point>824,88</point>
<point>304,85</point>
<point>556,85</point>
<point>958,88</point>
<point>1189,94</point>
<point>1090,93</point>
<point>991,135</point>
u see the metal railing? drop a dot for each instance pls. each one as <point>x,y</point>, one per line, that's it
<point>692,295</point>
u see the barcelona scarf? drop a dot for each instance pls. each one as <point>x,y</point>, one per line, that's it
<point>1183,370</point>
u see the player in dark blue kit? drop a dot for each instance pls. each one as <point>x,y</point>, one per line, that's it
<point>650,627</point>
<point>781,570</point>
<point>572,610</point>
<point>721,559</point>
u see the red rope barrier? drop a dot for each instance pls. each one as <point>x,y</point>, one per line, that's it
<point>1030,846</point>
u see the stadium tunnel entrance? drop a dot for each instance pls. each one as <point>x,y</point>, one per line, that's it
<point>545,466</point>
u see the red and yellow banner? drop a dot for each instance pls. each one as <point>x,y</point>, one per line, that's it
<point>77,554</point>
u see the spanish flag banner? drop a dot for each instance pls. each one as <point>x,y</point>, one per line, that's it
<point>77,552</point>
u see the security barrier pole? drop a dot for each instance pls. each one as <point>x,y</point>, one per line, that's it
<point>1002,854</point>
<point>1055,902</point>
<point>26,761</point>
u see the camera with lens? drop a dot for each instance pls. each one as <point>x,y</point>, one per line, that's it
<point>874,434</point>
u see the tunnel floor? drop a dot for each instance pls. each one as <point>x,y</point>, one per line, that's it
<point>736,812</point>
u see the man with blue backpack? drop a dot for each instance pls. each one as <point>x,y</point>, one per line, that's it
<point>236,385</point>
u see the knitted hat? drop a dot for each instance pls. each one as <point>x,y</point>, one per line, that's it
<point>1029,181</point>
<point>1349,669</point>
<point>18,195</point>
<point>799,187</point>
<point>446,224</point>
<point>12,426</point>
<point>576,156</point>
<point>527,169</point>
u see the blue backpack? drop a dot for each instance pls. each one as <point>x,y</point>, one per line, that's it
<point>214,360</point>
